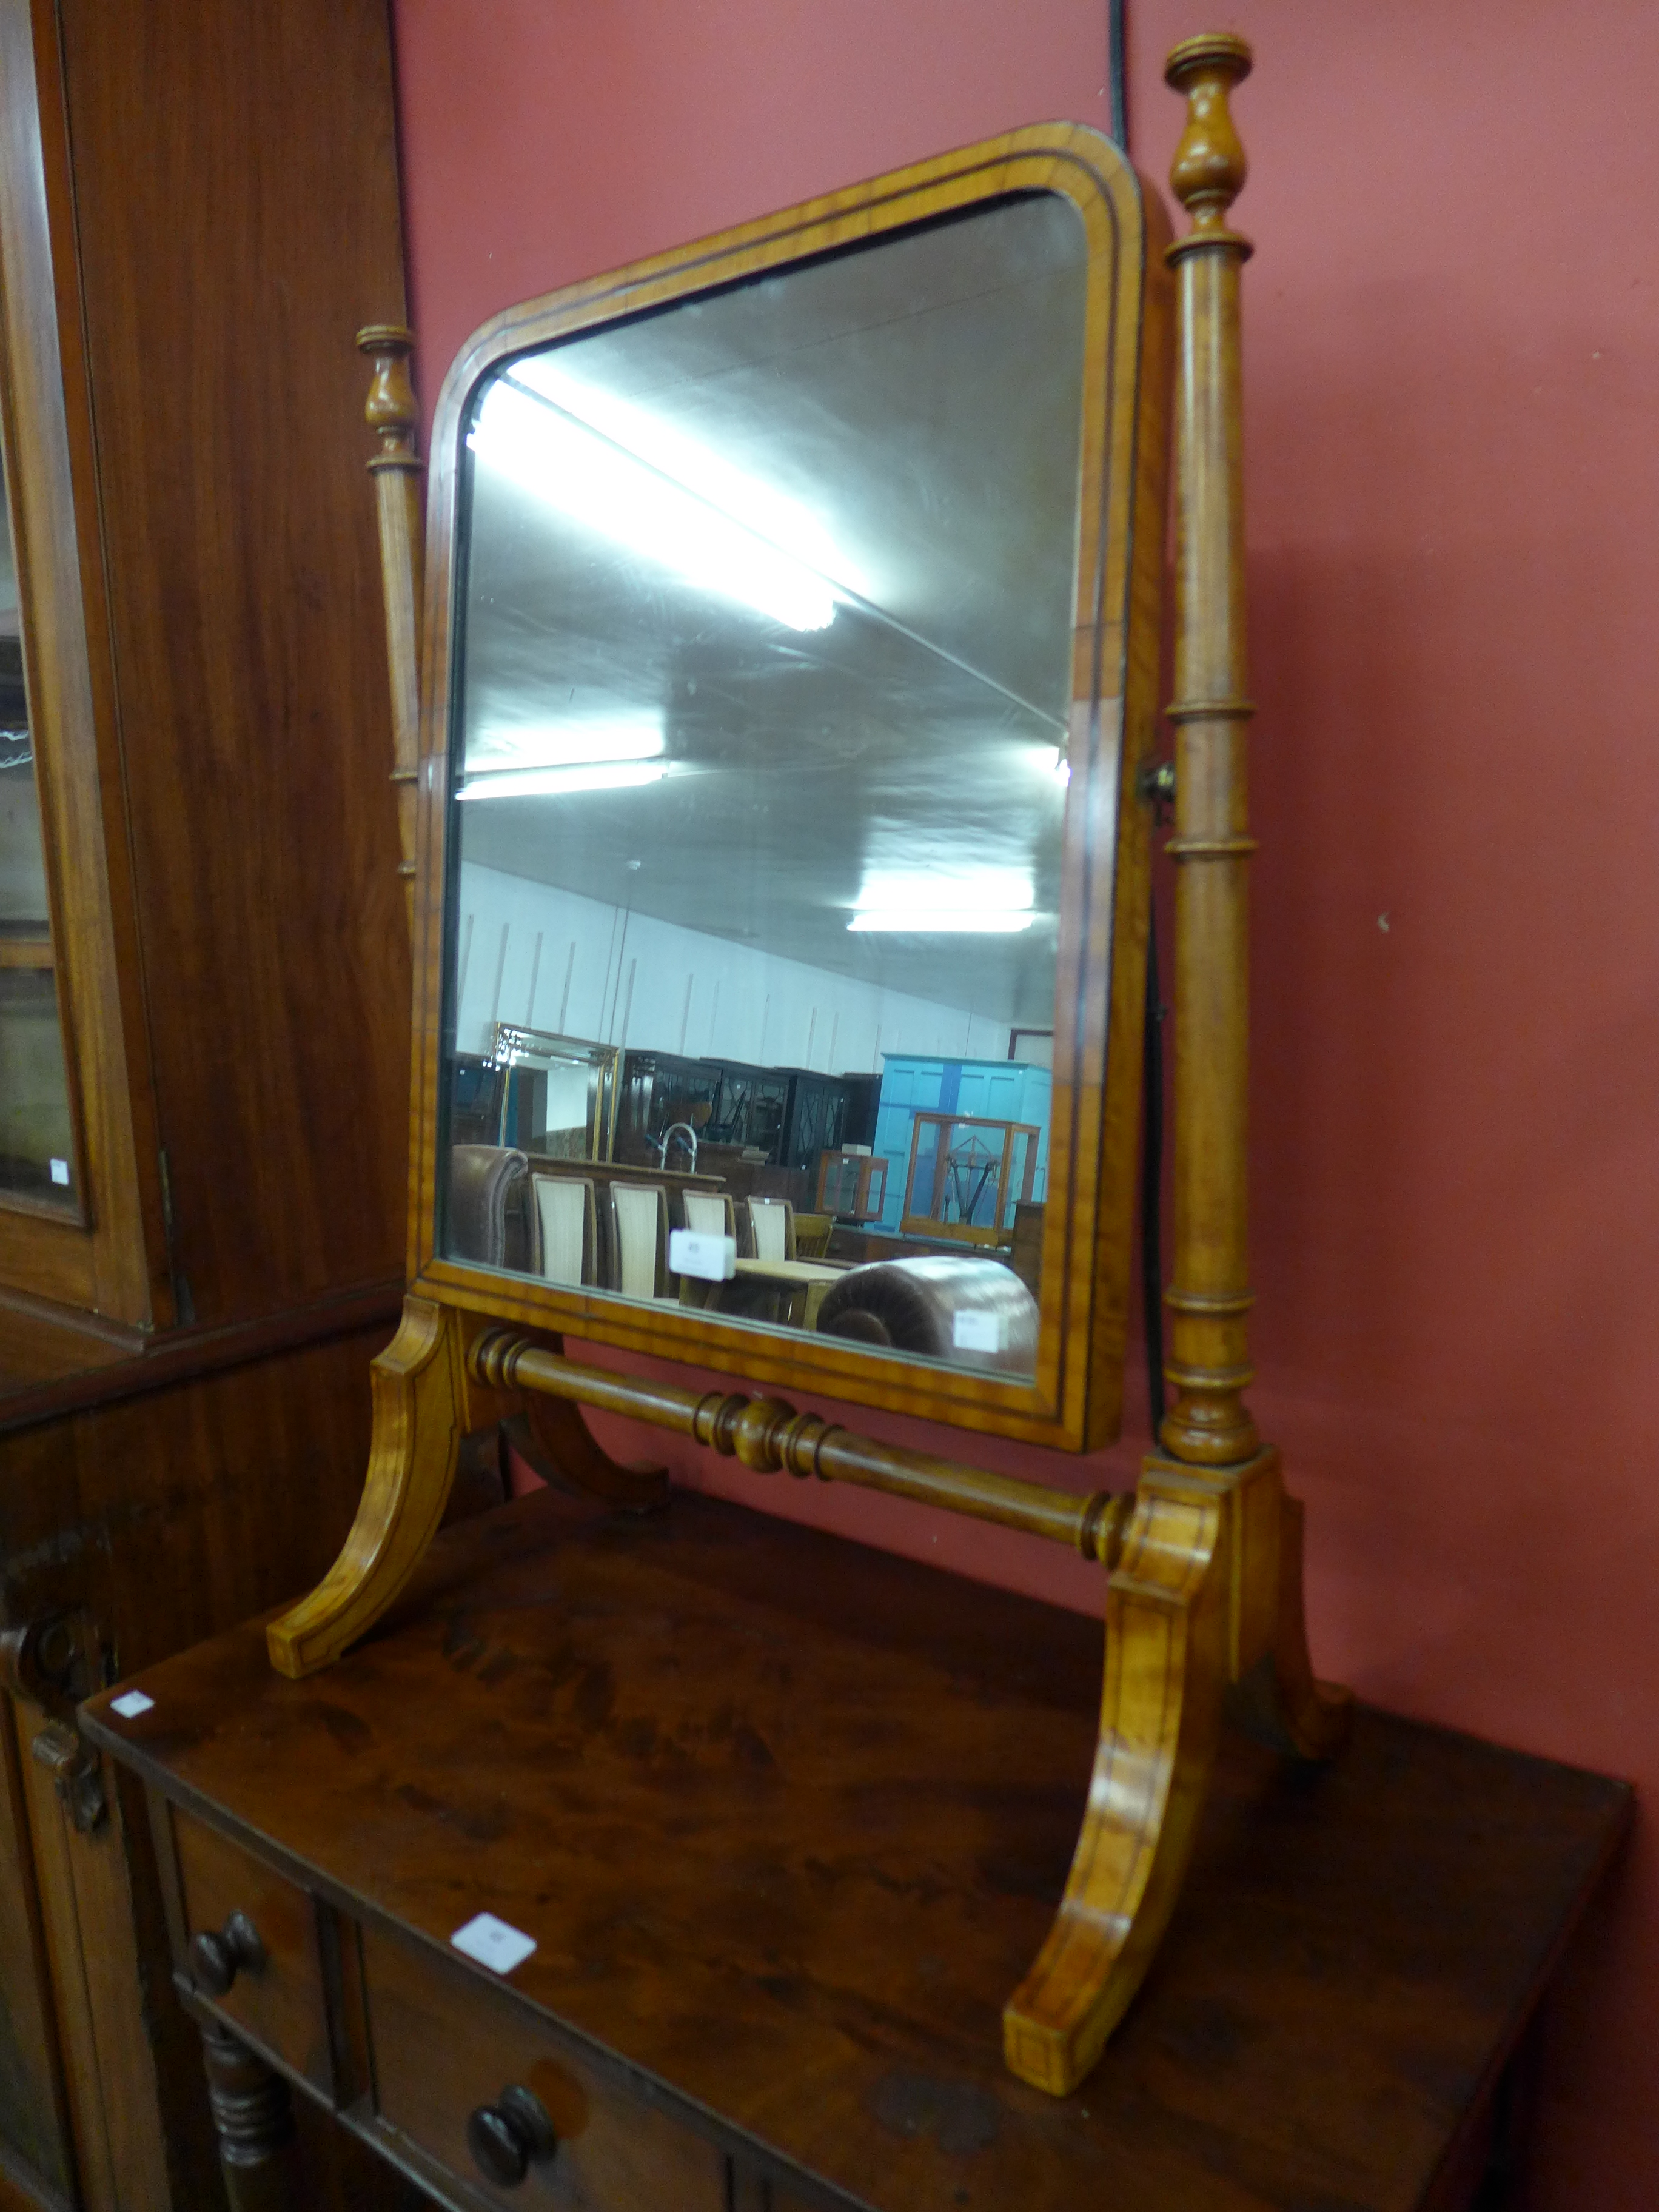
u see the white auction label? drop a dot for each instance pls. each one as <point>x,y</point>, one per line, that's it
<point>694,1252</point>
<point>59,1170</point>
<point>493,1943</point>
<point>131,1703</point>
<point>976,1331</point>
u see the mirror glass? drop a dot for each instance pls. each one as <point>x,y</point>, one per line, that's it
<point>763,673</point>
<point>555,1096</point>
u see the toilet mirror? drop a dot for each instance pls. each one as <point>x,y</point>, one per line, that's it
<point>778,772</point>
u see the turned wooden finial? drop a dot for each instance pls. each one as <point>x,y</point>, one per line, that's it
<point>1209,169</point>
<point>390,412</point>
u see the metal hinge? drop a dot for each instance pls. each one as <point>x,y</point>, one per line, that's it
<point>1156,785</point>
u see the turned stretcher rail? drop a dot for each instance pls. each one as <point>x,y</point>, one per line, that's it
<point>769,1435</point>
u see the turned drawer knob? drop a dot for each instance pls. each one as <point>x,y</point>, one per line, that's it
<point>506,2136</point>
<point>216,1960</point>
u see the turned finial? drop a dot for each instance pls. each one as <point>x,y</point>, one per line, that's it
<point>390,412</point>
<point>1209,168</point>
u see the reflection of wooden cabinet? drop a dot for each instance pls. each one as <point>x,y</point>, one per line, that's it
<point>785,1116</point>
<point>966,1176</point>
<point>852,1186</point>
<point>994,1090</point>
<point>203,965</point>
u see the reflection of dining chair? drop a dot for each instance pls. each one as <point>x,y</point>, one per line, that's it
<point>707,1213</point>
<point>771,1228</point>
<point>564,1211</point>
<point>490,1216</point>
<point>639,1239</point>
<point>812,1235</point>
<point>710,1212</point>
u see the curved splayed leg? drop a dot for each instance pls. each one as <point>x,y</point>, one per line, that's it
<point>419,1396</point>
<point>1166,1619</point>
<point>1279,1700</point>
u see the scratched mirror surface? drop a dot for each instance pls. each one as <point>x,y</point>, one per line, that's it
<point>763,669</point>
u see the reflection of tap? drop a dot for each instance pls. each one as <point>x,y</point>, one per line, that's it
<point>677,1129</point>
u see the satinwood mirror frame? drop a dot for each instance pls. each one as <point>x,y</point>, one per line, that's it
<point>1074,1400</point>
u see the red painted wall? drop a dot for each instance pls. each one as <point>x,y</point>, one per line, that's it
<point>1452,322</point>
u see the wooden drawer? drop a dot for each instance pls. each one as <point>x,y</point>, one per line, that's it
<point>281,2003</point>
<point>445,2044</point>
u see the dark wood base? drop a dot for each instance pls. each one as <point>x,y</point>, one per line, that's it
<point>778,1810</point>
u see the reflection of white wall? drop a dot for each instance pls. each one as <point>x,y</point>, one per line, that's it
<point>553,960</point>
<point>567,1090</point>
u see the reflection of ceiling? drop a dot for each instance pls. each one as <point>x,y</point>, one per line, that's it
<point>922,399</point>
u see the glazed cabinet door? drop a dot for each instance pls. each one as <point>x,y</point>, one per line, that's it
<point>81,1201</point>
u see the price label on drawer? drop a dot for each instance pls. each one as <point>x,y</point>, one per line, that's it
<point>493,1943</point>
<point>694,1252</point>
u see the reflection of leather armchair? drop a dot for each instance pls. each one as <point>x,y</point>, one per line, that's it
<point>915,1305</point>
<point>491,1216</point>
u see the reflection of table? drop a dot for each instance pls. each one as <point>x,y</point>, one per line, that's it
<point>798,1285</point>
<point>784,1810</point>
<point>802,1284</point>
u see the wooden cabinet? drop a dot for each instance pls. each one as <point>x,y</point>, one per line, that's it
<point>204,950</point>
<point>203,1029</point>
<point>80,1172</point>
<point>448,2057</point>
<point>780,1819</point>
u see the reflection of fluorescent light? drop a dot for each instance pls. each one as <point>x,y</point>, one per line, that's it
<point>614,470</point>
<point>958,898</point>
<point>543,782</point>
<point>566,744</point>
<point>920,920</point>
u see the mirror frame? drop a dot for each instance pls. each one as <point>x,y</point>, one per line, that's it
<point>1074,1400</point>
<point>607,1058</point>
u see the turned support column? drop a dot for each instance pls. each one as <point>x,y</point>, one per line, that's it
<point>1208,1423</point>
<point>391,415</point>
<point>253,2118</point>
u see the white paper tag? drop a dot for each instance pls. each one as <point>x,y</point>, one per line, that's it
<point>976,1331</point>
<point>131,1703</point>
<point>694,1252</point>
<point>493,1943</point>
<point>59,1171</point>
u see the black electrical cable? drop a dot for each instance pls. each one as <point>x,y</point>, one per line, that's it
<point>1152,1183</point>
<point>1117,72</point>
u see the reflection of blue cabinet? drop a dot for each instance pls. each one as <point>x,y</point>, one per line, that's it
<point>991,1090</point>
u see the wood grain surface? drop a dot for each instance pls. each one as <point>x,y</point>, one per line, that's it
<point>788,1819</point>
<point>167,1513</point>
<point>225,266</point>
